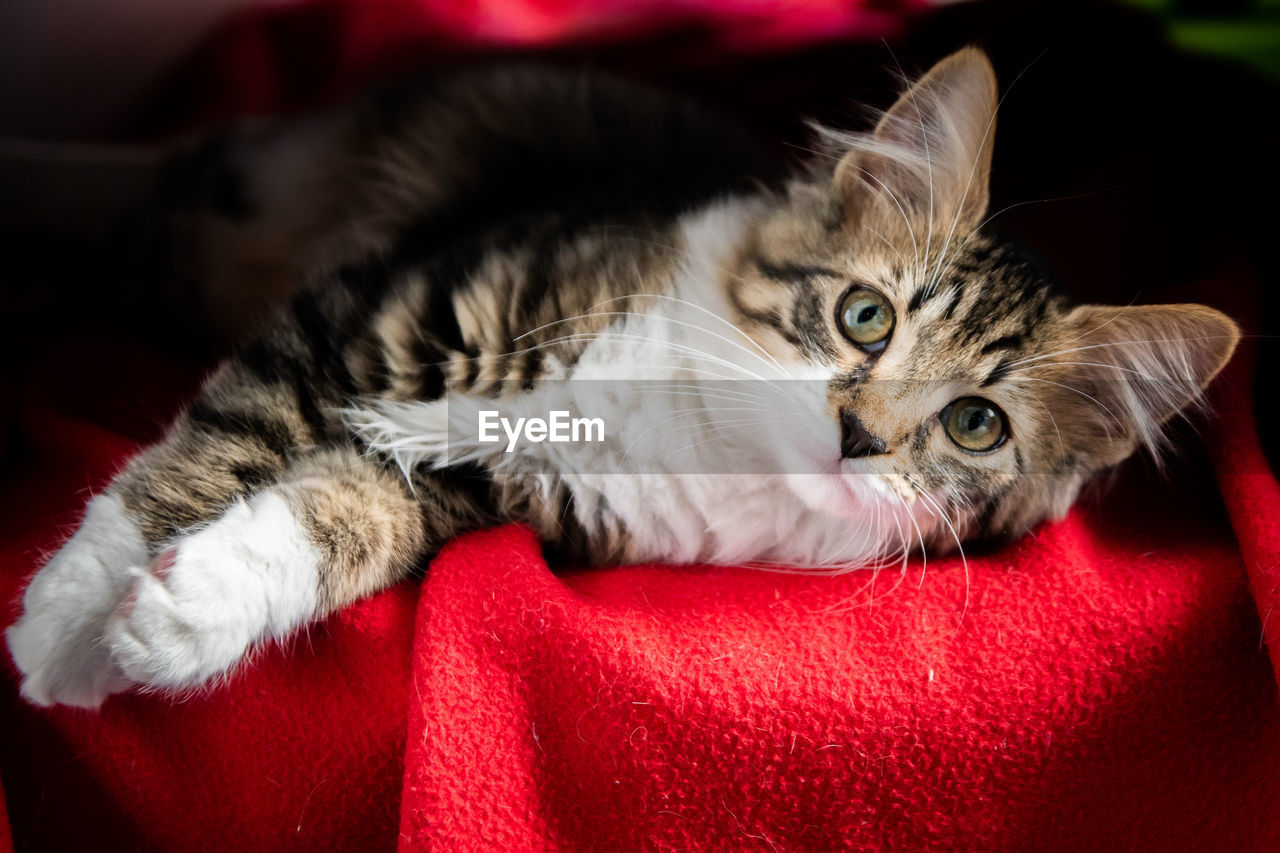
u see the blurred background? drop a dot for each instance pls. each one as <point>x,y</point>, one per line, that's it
<point>74,68</point>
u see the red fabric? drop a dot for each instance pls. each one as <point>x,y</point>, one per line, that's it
<point>1102,684</point>
<point>1252,496</point>
<point>6,838</point>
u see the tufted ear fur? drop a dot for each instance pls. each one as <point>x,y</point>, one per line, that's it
<point>1131,369</point>
<point>931,152</point>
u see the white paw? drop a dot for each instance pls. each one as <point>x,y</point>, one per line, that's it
<point>57,644</point>
<point>204,603</point>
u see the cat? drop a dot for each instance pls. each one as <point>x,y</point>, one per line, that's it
<point>519,243</point>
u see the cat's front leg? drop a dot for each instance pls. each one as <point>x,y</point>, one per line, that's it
<point>103,615</point>
<point>336,528</point>
<point>58,643</point>
<point>233,438</point>
<point>196,609</point>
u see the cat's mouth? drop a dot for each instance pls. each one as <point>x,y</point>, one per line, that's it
<point>873,487</point>
<point>851,491</point>
<point>895,485</point>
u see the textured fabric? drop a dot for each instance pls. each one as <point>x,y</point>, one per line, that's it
<point>1103,684</point>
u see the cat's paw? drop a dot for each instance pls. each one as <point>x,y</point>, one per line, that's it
<point>57,643</point>
<point>196,610</point>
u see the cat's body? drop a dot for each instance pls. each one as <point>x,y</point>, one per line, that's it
<point>543,244</point>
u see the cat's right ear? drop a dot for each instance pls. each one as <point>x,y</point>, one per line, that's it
<point>928,162</point>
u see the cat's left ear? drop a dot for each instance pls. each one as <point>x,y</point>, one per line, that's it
<point>1132,368</point>
<point>930,154</point>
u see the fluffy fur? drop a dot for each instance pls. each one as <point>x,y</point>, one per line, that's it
<point>536,243</point>
<point>197,608</point>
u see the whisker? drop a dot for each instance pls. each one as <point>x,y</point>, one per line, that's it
<point>710,314</point>
<point>964,560</point>
<point>651,318</point>
<point>682,348</point>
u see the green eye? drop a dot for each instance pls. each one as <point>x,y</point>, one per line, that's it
<point>975,424</point>
<point>866,318</point>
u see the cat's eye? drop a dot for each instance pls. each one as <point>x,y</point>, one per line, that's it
<point>975,424</point>
<point>866,318</point>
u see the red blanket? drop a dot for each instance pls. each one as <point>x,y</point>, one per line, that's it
<point>1104,683</point>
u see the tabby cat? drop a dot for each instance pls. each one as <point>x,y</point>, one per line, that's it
<point>516,242</point>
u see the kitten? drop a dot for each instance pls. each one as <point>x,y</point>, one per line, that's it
<point>820,370</point>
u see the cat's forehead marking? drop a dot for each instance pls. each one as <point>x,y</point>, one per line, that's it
<point>982,311</point>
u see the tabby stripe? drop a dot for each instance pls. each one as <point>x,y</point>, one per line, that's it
<point>438,316</point>
<point>767,317</point>
<point>957,291</point>
<point>318,331</point>
<point>308,408</point>
<point>917,299</point>
<point>789,273</point>
<point>850,380</point>
<point>1000,372</point>
<point>431,378</point>
<point>428,356</point>
<point>1037,310</point>
<point>273,366</point>
<point>533,289</point>
<point>1005,342</point>
<point>974,328</point>
<point>272,434</point>
<point>371,361</point>
<point>252,475</point>
<point>470,371</point>
<point>918,442</point>
<point>812,325</point>
<point>265,361</point>
<point>532,360</point>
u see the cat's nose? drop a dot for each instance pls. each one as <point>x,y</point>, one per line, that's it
<point>855,441</point>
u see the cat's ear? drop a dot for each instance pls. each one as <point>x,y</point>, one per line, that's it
<point>930,155</point>
<point>1128,370</point>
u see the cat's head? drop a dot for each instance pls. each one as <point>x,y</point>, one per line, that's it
<point>959,380</point>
